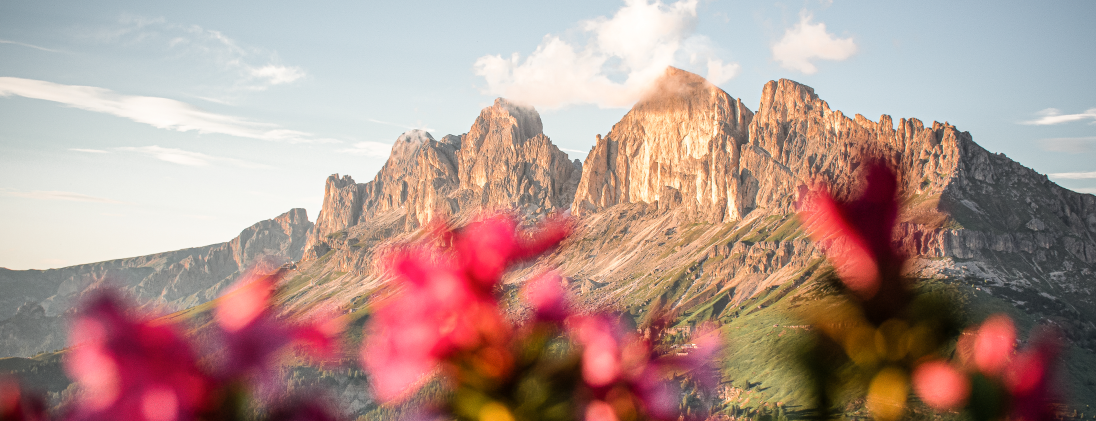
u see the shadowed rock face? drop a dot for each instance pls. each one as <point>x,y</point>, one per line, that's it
<point>34,301</point>
<point>504,161</point>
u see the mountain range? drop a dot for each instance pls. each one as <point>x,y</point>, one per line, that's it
<point>687,204</point>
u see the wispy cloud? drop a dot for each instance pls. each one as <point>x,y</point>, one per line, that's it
<point>403,126</point>
<point>806,42</point>
<point>253,69</point>
<point>23,44</point>
<point>1089,190</point>
<point>158,112</point>
<point>88,150</point>
<point>614,62</point>
<point>1074,175</point>
<point>575,151</point>
<point>370,149</point>
<point>194,159</point>
<point>58,195</point>
<point>1070,144</point>
<point>1051,116</point>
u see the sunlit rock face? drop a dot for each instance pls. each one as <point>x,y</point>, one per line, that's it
<point>504,162</point>
<point>679,146</point>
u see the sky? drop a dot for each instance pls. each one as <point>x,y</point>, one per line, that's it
<point>133,127</point>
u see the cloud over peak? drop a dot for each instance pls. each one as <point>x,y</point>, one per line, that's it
<point>806,42</point>
<point>614,63</point>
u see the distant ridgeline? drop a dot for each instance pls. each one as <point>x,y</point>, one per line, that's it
<point>687,204</point>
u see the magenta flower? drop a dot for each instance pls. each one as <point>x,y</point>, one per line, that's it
<point>940,385</point>
<point>448,303</point>
<point>545,294</point>
<point>613,358</point>
<point>860,231</point>
<point>254,337</point>
<point>132,366</point>
<point>17,406</point>
<point>1029,379</point>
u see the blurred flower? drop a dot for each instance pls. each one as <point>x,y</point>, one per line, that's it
<point>860,231</point>
<point>1030,380</point>
<point>598,410</point>
<point>448,303</point>
<point>887,394</point>
<point>994,344</point>
<point>255,337</point>
<point>132,366</point>
<point>940,385</point>
<point>545,294</point>
<point>17,406</point>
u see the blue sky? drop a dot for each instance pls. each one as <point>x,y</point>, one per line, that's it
<point>128,128</point>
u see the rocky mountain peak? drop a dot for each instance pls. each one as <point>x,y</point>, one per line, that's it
<point>504,161</point>
<point>675,148</point>
<point>525,117</point>
<point>403,150</point>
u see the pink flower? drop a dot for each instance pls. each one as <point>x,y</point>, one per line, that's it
<point>546,295</point>
<point>613,358</point>
<point>599,410</point>
<point>1029,380</point>
<point>448,303</point>
<point>602,359</point>
<point>861,231</point>
<point>940,385</point>
<point>254,337</point>
<point>994,344</point>
<point>16,406</point>
<point>132,366</point>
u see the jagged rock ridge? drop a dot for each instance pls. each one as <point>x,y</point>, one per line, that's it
<point>504,161</point>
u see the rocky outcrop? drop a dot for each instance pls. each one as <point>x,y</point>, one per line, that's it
<point>169,281</point>
<point>504,161</point>
<point>678,146</point>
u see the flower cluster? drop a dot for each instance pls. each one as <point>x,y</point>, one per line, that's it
<point>448,322</point>
<point>895,338</point>
<point>135,366</point>
<point>990,377</point>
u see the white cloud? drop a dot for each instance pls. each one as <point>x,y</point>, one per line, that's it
<point>195,159</point>
<point>370,149</point>
<point>22,44</point>
<point>1074,175</point>
<point>806,42</point>
<point>1070,144</point>
<point>57,195</point>
<point>1054,116</point>
<point>575,151</point>
<point>277,75</point>
<point>253,69</point>
<point>88,150</point>
<point>1089,190</point>
<point>158,112</point>
<point>613,66</point>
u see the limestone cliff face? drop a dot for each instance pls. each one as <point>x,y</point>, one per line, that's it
<point>679,146</point>
<point>504,161</point>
